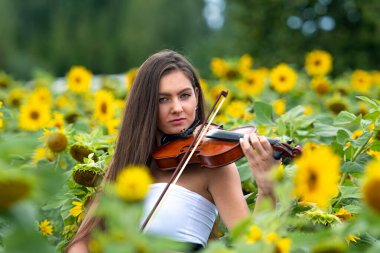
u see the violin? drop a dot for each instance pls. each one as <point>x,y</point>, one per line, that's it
<point>218,148</point>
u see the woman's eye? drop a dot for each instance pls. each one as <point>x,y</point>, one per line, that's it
<point>185,95</point>
<point>162,100</point>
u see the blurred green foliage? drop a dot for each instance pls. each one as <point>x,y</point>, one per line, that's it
<point>113,36</point>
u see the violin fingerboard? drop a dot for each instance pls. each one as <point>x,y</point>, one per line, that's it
<point>224,135</point>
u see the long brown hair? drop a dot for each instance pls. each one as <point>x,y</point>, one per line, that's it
<point>137,135</point>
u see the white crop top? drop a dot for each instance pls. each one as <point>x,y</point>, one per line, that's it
<point>184,216</point>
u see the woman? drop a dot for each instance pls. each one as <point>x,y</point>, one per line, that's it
<point>166,102</point>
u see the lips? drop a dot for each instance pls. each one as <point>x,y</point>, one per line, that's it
<point>177,120</point>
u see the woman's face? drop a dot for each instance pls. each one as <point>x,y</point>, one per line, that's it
<point>177,102</point>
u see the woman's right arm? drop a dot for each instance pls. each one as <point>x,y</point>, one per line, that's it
<point>78,247</point>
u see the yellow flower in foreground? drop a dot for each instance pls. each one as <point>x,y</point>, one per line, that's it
<point>361,81</point>
<point>352,238</point>
<point>374,154</point>
<point>283,245</point>
<point>46,228</point>
<point>318,62</point>
<point>254,234</point>
<point>64,101</point>
<point>1,115</point>
<point>279,106</point>
<point>320,85</point>
<point>133,182</point>
<point>34,116</point>
<point>79,79</point>
<point>317,176</point>
<point>343,214</point>
<point>77,210</point>
<point>283,78</point>
<point>104,106</point>
<point>371,186</point>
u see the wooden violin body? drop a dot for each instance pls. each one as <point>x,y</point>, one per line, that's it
<point>217,149</point>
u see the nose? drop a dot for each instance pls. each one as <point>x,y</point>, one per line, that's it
<point>176,106</point>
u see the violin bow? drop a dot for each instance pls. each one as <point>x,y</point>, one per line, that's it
<point>184,161</point>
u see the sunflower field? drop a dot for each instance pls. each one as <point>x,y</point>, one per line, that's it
<point>58,136</point>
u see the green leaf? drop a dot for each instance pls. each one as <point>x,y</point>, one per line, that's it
<point>353,208</point>
<point>352,167</point>
<point>372,116</point>
<point>369,102</point>
<point>342,136</point>
<point>264,113</point>
<point>325,130</point>
<point>350,192</point>
<point>294,113</point>
<point>344,118</point>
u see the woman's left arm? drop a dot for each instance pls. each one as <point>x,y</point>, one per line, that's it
<point>259,154</point>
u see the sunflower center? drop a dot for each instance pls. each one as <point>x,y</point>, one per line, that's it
<point>78,79</point>
<point>103,108</point>
<point>282,78</point>
<point>34,115</point>
<point>317,63</point>
<point>251,82</point>
<point>312,180</point>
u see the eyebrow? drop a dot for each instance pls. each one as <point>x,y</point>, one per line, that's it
<point>168,94</point>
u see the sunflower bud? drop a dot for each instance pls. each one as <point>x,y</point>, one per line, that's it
<point>57,142</point>
<point>79,152</point>
<point>86,175</point>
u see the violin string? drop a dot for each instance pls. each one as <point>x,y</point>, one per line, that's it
<point>204,131</point>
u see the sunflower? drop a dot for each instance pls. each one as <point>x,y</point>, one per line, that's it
<point>132,183</point>
<point>14,187</point>
<point>56,141</point>
<point>308,110</point>
<point>42,153</point>
<point>279,106</point>
<point>219,67</point>
<point>318,63</point>
<point>215,91</point>
<point>245,63</point>
<point>337,103</point>
<point>371,185</point>
<point>41,95</point>
<point>57,121</point>
<point>283,245</point>
<point>34,116</point>
<point>64,101</point>
<point>238,109</point>
<point>16,97</point>
<point>5,80</point>
<point>104,106</point>
<point>317,176</point>
<point>320,85</point>
<point>343,214</point>
<point>254,234</point>
<point>283,78</point>
<point>77,210</point>
<point>46,228</point>
<point>79,79</point>
<point>252,83</point>
<point>361,81</point>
